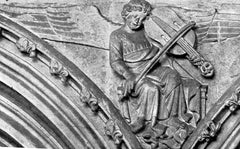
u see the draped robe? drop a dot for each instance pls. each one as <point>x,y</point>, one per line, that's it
<point>159,95</point>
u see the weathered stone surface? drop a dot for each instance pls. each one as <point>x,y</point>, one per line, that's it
<point>63,22</point>
<point>83,24</point>
<point>224,56</point>
<point>81,33</point>
<point>95,64</point>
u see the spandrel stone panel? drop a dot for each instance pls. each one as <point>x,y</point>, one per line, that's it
<point>82,32</point>
<point>95,64</point>
<point>113,12</point>
<point>223,55</point>
<point>95,31</point>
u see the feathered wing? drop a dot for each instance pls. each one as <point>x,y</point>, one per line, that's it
<point>214,24</point>
<point>81,24</point>
<point>84,24</point>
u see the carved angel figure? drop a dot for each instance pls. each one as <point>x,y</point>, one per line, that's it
<point>158,98</point>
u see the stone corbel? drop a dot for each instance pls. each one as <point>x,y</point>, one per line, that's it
<point>113,131</point>
<point>57,69</point>
<point>210,131</point>
<point>26,46</point>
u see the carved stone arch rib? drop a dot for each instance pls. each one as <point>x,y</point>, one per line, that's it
<point>34,118</point>
<point>43,96</point>
<point>221,126</point>
<point>49,88</point>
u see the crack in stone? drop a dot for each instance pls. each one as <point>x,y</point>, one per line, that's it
<point>76,43</point>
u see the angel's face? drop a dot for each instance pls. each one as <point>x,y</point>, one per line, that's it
<point>135,19</point>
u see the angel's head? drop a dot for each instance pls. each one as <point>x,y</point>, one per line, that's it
<point>135,12</point>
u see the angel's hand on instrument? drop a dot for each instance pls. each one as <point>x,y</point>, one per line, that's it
<point>129,85</point>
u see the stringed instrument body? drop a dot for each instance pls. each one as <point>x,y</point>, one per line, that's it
<point>163,24</point>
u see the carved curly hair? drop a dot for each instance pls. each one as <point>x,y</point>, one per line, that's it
<point>136,5</point>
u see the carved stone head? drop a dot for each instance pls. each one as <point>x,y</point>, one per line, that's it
<point>135,12</point>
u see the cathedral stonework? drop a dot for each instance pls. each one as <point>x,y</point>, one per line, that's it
<point>130,74</point>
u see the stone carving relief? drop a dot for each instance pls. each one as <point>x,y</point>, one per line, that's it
<point>57,69</point>
<point>210,131</point>
<point>234,101</point>
<point>152,95</point>
<point>113,131</point>
<point>149,59</point>
<point>24,45</point>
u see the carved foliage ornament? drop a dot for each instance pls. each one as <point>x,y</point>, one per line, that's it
<point>89,99</point>
<point>25,45</point>
<point>234,102</point>
<point>113,131</point>
<point>210,131</point>
<point>57,68</point>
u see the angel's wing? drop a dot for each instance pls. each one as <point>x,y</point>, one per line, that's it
<point>214,24</point>
<point>81,24</point>
<point>85,24</point>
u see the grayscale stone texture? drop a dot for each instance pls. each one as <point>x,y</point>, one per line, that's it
<point>90,51</point>
<point>95,62</point>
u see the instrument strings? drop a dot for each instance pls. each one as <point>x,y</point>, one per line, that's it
<point>189,49</point>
